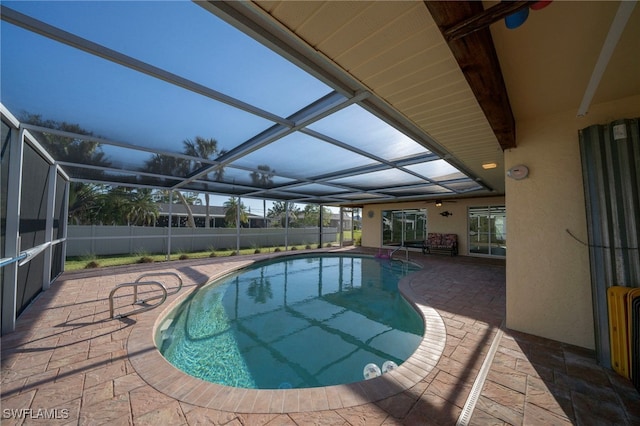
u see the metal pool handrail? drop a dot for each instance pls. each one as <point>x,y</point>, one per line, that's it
<point>135,287</point>
<point>156,274</point>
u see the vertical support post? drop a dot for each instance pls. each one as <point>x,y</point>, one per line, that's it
<point>321,220</point>
<point>238,225</point>
<point>286,225</point>
<point>341,230</point>
<point>48,231</point>
<point>12,238</point>
<point>65,219</point>
<point>170,224</point>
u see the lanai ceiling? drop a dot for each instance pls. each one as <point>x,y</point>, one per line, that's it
<point>449,113</point>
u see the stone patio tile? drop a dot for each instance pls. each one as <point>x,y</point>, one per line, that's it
<point>72,359</point>
<point>85,366</point>
<point>277,401</point>
<point>170,414</point>
<point>498,411</point>
<point>508,377</point>
<point>319,418</point>
<point>368,414</point>
<point>535,415</point>
<point>351,395</point>
<point>291,401</point>
<point>481,418</point>
<point>549,397</point>
<point>398,405</point>
<point>432,409</point>
<point>450,388</point>
<point>17,402</point>
<point>590,409</point>
<point>146,399</point>
<point>53,394</point>
<point>206,416</point>
<point>98,393</point>
<point>263,402</point>
<point>333,397</point>
<point>104,373</point>
<point>504,396</point>
<point>535,370</point>
<point>113,412</point>
<point>234,396</point>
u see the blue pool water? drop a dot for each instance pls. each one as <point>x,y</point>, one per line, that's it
<point>299,322</point>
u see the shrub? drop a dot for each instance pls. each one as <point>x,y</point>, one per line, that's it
<point>92,264</point>
<point>277,249</point>
<point>213,254</point>
<point>183,257</point>
<point>294,247</point>
<point>145,259</point>
<point>308,246</point>
<point>257,251</point>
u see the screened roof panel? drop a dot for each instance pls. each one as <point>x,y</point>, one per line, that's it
<point>437,170</point>
<point>115,102</point>
<point>119,177</point>
<point>380,179</point>
<point>359,128</point>
<point>255,179</point>
<point>464,185</point>
<point>298,155</point>
<point>198,46</point>
<point>417,191</point>
<point>318,189</point>
<point>172,72</point>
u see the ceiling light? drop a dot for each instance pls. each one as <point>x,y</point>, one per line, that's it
<point>488,166</point>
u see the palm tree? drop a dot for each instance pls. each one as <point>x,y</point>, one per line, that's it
<point>231,212</point>
<point>278,213</point>
<point>82,196</point>
<point>263,179</point>
<point>172,166</point>
<point>143,211</point>
<point>207,149</point>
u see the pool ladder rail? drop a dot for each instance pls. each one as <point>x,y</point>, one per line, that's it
<point>406,252</point>
<point>137,283</point>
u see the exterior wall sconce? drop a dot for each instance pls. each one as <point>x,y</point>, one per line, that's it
<point>446,213</point>
<point>518,172</point>
<point>439,203</point>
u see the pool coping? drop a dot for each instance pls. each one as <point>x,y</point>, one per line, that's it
<point>154,369</point>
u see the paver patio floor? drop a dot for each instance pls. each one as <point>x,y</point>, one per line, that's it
<point>69,363</point>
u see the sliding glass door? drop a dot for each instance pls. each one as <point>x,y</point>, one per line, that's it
<point>488,231</point>
<point>400,226</point>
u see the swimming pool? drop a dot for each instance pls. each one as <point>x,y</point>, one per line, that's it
<point>295,322</point>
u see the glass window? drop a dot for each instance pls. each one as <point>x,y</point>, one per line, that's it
<point>488,231</point>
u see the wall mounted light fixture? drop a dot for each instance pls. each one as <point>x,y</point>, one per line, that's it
<point>438,203</point>
<point>518,172</point>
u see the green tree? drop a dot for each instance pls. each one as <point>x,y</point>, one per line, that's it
<point>206,149</point>
<point>172,166</point>
<point>231,211</point>
<point>82,196</point>
<point>263,179</point>
<point>312,215</point>
<point>278,214</point>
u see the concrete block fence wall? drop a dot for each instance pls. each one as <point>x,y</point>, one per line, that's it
<point>107,240</point>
